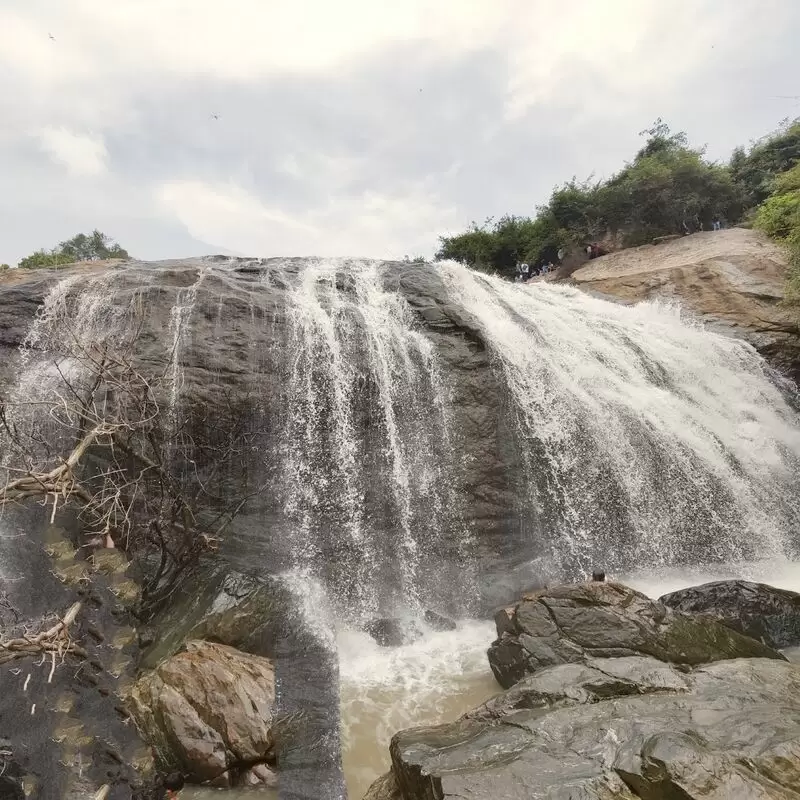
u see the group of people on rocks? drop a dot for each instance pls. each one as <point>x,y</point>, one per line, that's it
<point>697,225</point>
<point>526,271</point>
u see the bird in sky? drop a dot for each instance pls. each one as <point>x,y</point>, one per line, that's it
<point>51,36</point>
<point>215,116</point>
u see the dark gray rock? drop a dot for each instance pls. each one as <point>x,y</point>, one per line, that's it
<point>392,632</point>
<point>11,774</point>
<point>438,621</point>
<point>619,728</point>
<point>220,604</point>
<point>64,732</point>
<point>770,615</point>
<point>567,624</point>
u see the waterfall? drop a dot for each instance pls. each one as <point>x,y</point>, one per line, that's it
<point>178,335</point>
<point>403,436</point>
<point>645,439</point>
<point>366,463</point>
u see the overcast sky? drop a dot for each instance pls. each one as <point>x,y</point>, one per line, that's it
<point>354,127</point>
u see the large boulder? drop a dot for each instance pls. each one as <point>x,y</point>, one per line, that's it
<point>617,728</point>
<point>757,610</point>
<point>208,713</point>
<point>569,623</point>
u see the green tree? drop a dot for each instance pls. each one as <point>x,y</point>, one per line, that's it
<point>4,267</point>
<point>497,246</point>
<point>92,247</point>
<point>754,170</point>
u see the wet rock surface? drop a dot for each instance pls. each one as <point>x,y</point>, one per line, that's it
<point>570,623</point>
<point>208,713</point>
<point>734,278</point>
<point>384,788</point>
<point>630,727</point>
<point>392,632</point>
<point>222,604</point>
<point>64,729</point>
<point>763,612</point>
<point>438,621</point>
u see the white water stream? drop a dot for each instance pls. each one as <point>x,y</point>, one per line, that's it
<point>365,441</point>
<point>648,440</point>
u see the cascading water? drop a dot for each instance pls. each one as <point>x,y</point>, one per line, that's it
<point>646,440</point>
<point>634,438</point>
<point>367,466</point>
<point>179,320</point>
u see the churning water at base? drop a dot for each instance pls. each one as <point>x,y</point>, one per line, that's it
<point>383,691</point>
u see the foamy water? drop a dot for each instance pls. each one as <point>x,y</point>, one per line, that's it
<point>384,690</point>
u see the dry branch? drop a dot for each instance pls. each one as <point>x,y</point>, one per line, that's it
<point>102,441</point>
<point>55,641</point>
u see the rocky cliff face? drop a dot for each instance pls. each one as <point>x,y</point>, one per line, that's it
<point>392,438</point>
<point>732,278</point>
<point>310,392</point>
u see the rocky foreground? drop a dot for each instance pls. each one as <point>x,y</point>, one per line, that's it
<point>613,695</point>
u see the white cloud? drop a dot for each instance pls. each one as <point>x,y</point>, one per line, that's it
<point>239,40</point>
<point>371,224</point>
<point>356,127</point>
<point>83,155</point>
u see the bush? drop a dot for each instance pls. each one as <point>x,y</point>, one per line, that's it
<point>92,247</point>
<point>779,216</point>
<point>43,259</point>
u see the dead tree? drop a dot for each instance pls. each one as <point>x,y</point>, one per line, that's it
<point>102,441</point>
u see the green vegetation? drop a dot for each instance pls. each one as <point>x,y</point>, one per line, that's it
<point>92,247</point>
<point>779,217</point>
<point>755,170</point>
<point>668,188</point>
